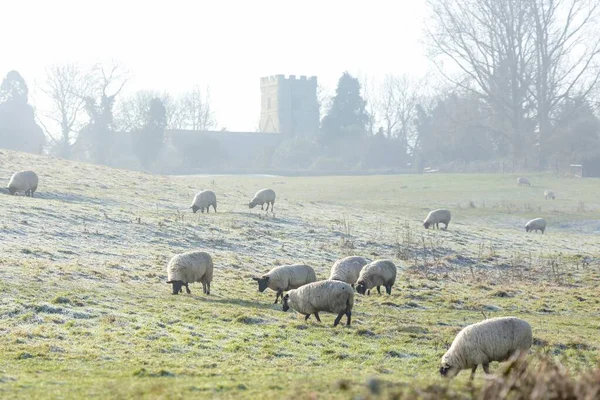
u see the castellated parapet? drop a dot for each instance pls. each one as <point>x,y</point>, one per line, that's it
<point>289,105</point>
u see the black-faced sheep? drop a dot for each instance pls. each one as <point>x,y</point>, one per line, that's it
<point>192,266</point>
<point>204,199</point>
<point>23,181</point>
<point>286,277</point>
<point>376,274</point>
<point>436,217</point>
<point>495,339</point>
<point>538,224</point>
<point>347,269</point>
<point>263,196</point>
<point>329,296</point>
<point>549,194</point>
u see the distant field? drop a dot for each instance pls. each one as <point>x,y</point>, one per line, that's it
<point>85,311</point>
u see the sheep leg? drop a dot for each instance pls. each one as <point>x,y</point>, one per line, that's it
<point>208,288</point>
<point>279,293</point>
<point>368,292</point>
<point>306,317</point>
<point>486,368</point>
<point>339,317</point>
<point>388,289</point>
<point>349,315</point>
<point>203,287</point>
<point>187,289</point>
<point>473,372</point>
<point>379,289</point>
<point>317,317</point>
<point>446,227</point>
<point>261,207</point>
<point>215,207</point>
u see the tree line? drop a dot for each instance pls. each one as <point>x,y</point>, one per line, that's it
<point>514,82</point>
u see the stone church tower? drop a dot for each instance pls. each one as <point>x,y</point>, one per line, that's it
<point>289,106</point>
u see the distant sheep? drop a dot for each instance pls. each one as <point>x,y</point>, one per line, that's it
<point>329,296</point>
<point>549,194</point>
<point>286,277</point>
<point>495,339</point>
<point>538,224</point>
<point>347,269</point>
<point>376,274</point>
<point>193,266</point>
<point>23,181</point>
<point>436,217</point>
<point>204,199</point>
<point>263,196</point>
<point>523,181</point>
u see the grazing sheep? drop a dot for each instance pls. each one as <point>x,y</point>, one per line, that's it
<point>538,224</point>
<point>263,196</point>
<point>204,199</point>
<point>549,194</point>
<point>192,266</point>
<point>23,181</point>
<point>377,273</point>
<point>495,339</point>
<point>347,269</point>
<point>286,277</point>
<point>436,217</point>
<point>329,296</point>
<point>523,181</point>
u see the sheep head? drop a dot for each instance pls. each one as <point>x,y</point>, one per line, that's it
<point>286,299</point>
<point>263,282</point>
<point>177,286</point>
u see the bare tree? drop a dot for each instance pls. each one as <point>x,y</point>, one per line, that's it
<point>567,59</point>
<point>132,111</point>
<point>492,44</point>
<point>66,87</point>
<point>194,112</point>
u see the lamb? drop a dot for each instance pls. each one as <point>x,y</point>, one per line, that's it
<point>329,296</point>
<point>23,181</point>
<point>347,269</point>
<point>436,217</point>
<point>263,196</point>
<point>286,277</point>
<point>549,194</point>
<point>538,224</point>
<point>204,199</point>
<point>192,266</point>
<point>376,273</point>
<point>495,339</point>
<point>523,181</point>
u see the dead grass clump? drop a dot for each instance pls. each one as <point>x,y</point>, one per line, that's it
<point>546,379</point>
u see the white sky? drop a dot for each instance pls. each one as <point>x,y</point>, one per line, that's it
<point>228,45</point>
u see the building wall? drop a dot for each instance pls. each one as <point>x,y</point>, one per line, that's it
<point>289,105</point>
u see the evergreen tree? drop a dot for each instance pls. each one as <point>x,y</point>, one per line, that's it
<point>347,116</point>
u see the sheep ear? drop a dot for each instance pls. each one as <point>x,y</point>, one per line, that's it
<point>169,281</point>
<point>255,278</point>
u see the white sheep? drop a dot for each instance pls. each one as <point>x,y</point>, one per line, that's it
<point>263,196</point>
<point>376,274</point>
<point>538,224</point>
<point>23,181</point>
<point>494,339</point>
<point>347,269</point>
<point>192,266</point>
<point>549,194</point>
<point>436,217</point>
<point>286,277</point>
<point>204,199</point>
<point>523,181</point>
<point>329,296</point>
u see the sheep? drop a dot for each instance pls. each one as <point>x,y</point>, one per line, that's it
<point>494,339</point>
<point>329,296</point>
<point>286,277</point>
<point>263,196</point>
<point>376,273</point>
<point>538,224</point>
<point>23,181</point>
<point>347,269</point>
<point>192,266</point>
<point>204,199</point>
<point>523,181</point>
<point>549,194</point>
<point>436,217</point>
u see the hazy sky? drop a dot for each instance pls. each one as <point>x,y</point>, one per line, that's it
<point>228,45</point>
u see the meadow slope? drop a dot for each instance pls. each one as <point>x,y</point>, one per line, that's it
<point>85,311</point>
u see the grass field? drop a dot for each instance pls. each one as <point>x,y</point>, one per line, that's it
<point>85,311</point>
